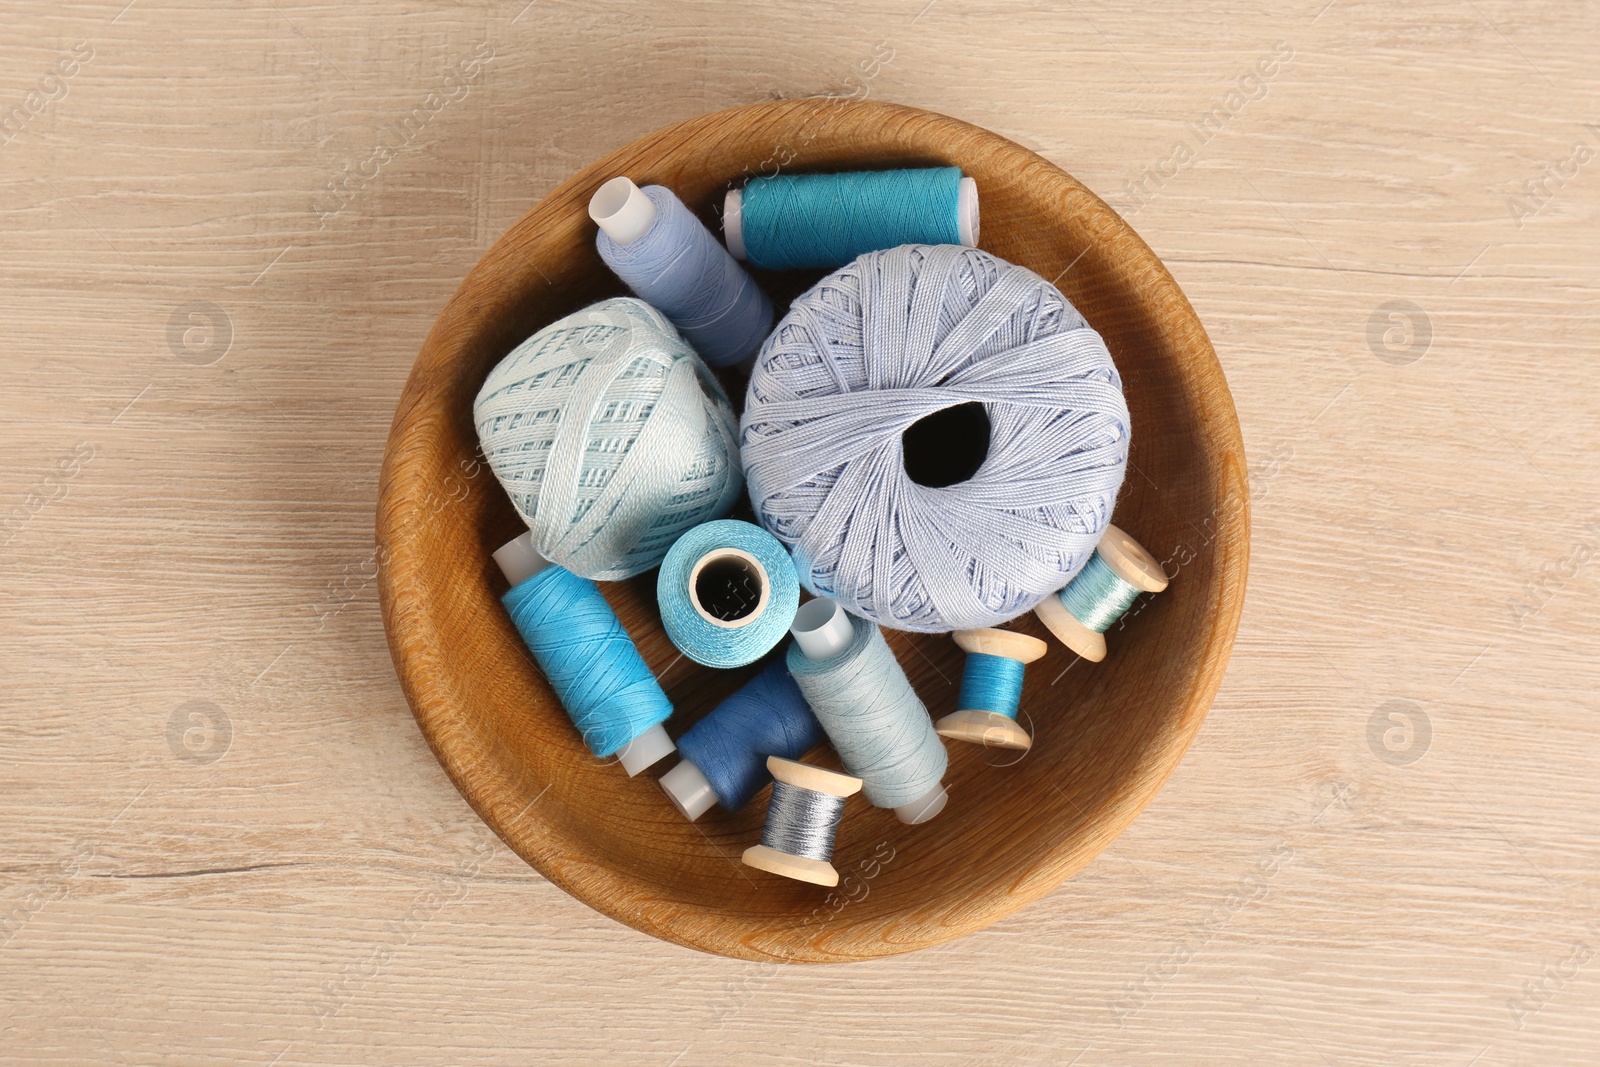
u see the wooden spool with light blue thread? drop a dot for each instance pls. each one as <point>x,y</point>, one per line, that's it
<point>995,727</point>
<point>1126,570</point>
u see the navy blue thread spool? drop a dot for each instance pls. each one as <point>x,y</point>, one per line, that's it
<point>725,753</point>
<point>618,714</point>
<point>991,688</point>
<point>1101,593</point>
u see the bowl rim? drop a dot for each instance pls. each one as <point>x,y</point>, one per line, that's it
<point>424,675</point>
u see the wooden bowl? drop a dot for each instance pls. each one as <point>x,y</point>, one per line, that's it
<point>1106,735</point>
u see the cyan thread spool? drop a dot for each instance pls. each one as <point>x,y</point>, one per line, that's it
<point>588,657</point>
<point>1101,593</point>
<point>727,592</point>
<point>725,753</point>
<point>991,688</point>
<point>826,220</point>
<point>802,819</point>
<point>869,711</point>
<point>670,260</point>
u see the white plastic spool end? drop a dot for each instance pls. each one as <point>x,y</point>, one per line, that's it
<point>646,750</point>
<point>924,807</point>
<point>754,574</point>
<point>519,560</point>
<point>621,209</point>
<point>822,629</point>
<point>733,222</point>
<point>967,212</point>
<point>688,790</point>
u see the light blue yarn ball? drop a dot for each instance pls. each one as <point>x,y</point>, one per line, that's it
<point>610,436</point>
<point>895,336</point>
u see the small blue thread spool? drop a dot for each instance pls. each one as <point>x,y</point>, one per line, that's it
<point>725,753</point>
<point>1101,593</point>
<point>826,220</point>
<point>591,662</point>
<point>727,591</point>
<point>991,688</point>
<point>802,818</point>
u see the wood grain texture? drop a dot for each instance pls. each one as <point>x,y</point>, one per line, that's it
<point>320,893</point>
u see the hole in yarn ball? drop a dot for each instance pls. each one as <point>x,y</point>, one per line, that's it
<point>948,446</point>
<point>728,587</point>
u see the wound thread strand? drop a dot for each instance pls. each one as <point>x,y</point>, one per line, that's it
<point>588,658</point>
<point>887,341</point>
<point>802,822</point>
<point>874,718</point>
<point>768,716</point>
<point>679,267</point>
<point>826,220</point>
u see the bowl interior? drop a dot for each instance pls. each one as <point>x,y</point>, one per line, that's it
<point>1105,735</point>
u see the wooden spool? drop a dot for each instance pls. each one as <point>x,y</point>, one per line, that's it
<point>617,844</point>
<point>976,725</point>
<point>1128,560</point>
<point>818,780</point>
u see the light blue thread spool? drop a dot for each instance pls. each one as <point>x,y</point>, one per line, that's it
<point>869,711</point>
<point>587,656</point>
<point>1101,593</point>
<point>826,220</point>
<point>802,818</point>
<point>991,688</point>
<point>727,592</point>
<point>671,261</point>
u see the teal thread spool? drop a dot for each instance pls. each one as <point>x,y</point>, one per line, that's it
<point>589,659</point>
<point>826,220</point>
<point>991,688</point>
<point>1101,593</point>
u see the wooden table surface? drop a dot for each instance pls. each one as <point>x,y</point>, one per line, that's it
<point>227,229</point>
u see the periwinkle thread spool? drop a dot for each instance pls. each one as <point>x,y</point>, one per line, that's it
<point>727,592</point>
<point>725,753</point>
<point>587,656</point>
<point>869,711</point>
<point>857,385</point>
<point>1101,593</point>
<point>991,688</point>
<point>610,436</point>
<point>826,220</point>
<point>670,260</point>
<point>802,819</point>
